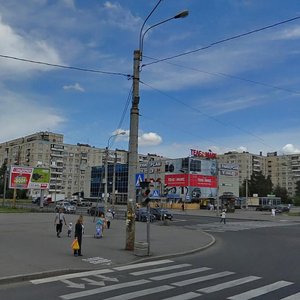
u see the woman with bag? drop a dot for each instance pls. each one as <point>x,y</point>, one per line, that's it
<point>78,235</point>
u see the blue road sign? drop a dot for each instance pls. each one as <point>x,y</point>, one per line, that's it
<point>155,194</point>
<point>139,177</point>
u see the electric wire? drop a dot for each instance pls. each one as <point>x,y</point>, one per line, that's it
<point>262,141</point>
<point>221,74</point>
<point>65,67</point>
<point>224,40</point>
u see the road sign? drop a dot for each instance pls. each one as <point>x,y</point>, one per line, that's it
<point>139,177</point>
<point>155,194</point>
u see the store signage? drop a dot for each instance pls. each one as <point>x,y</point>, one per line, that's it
<point>191,180</point>
<point>199,153</point>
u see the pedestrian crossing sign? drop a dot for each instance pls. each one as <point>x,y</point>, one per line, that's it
<point>139,177</point>
<point>155,193</point>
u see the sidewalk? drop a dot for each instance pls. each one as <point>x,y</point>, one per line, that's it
<point>30,249</point>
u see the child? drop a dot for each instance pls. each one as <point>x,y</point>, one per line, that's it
<point>69,229</point>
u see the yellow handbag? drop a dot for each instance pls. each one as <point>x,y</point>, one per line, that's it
<point>75,245</point>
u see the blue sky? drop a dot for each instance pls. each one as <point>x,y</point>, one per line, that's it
<point>238,95</point>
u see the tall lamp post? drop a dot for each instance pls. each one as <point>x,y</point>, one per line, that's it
<point>134,126</point>
<point>106,168</point>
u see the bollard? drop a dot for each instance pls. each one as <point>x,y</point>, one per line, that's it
<point>141,248</point>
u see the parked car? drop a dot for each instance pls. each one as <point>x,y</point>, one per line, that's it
<point>282,209</point>
<point>96,210</point>
<point>264,208</point>
<point>66,207</point>
<point>161,213</point>
<point>37,201</point>
<point>141,214</point>
<point>84,202</point>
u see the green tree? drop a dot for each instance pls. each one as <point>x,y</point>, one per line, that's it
<point>258,184</point>
<point>297,190</point>
<point>2,176</point>
<point>282,193</point>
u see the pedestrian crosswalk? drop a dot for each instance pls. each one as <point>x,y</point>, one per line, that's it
<point>236,226</point>
<point>167,280</point>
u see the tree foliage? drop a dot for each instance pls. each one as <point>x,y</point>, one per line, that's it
<point>258,184</point>
<point>282,193</point>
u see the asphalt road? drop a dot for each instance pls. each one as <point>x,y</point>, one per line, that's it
<point>249,263</point>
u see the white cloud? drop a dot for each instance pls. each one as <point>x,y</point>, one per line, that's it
<point>119,17</point>
<point>292,33</point>
<point>150,139</point>
<point>69,3</point>
<point>76,87</point>
<point>20,116</point>
<point>23,46</point>
<point>290,149</point>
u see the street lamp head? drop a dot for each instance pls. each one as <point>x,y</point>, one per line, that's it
<point>183,14</point>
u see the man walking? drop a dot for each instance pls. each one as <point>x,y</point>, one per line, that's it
<point>223,216</point>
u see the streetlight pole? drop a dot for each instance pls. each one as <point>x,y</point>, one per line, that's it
<point>133,134</point>
<point>106,168</point>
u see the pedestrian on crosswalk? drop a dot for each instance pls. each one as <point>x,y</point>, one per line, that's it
<point>223,216</point>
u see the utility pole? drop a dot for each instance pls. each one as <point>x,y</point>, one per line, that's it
<point>114,180</point>
<point>134,127</point>
<point>133,153</point>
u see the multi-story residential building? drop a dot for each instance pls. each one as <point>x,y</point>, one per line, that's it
<point>70,165</point>
<point>248,163</point>
<point>284,170</point>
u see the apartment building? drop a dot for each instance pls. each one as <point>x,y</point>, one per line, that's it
<point>284,170</point>
<point>70,165</point>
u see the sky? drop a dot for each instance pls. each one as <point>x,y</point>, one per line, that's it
<point>225,78</point>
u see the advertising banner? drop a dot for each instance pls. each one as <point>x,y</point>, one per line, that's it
<point>29,178</point>
<point>191,178</point>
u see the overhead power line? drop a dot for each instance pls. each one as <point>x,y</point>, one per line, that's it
<point>128,76</point>
<point>227,124</point>
<point>223,41</point>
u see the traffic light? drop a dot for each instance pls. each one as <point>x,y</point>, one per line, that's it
<point>145,192</point>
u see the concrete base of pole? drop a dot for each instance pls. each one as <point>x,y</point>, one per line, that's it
<point>141,249</point>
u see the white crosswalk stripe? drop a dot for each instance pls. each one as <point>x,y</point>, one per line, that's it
<point>292,297</point>
<point>261,291</point>
<point>167,283</point>
<point>228,284</point>
<point>141,293</point>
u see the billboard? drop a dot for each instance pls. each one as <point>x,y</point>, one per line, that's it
<point>29,178</point>
<point>191,178</point>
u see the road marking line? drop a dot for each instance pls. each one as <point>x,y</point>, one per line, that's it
<point>292,297</point>
<point>261,291</point>
<point>228,284</point>
<point>202,278</point>
<point>104,289</point>
<point>186,296</point>
<point>141,293</point>
<point>160,269</point>
<point>69,276</point>
<point>141,265</point>
<point>71,284</point>
<point>172,275</point>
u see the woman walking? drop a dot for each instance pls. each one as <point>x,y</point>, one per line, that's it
<point>78,235</point>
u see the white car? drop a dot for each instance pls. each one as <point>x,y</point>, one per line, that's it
<point>66,207</point>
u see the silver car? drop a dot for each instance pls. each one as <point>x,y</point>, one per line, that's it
<point>66,207</point>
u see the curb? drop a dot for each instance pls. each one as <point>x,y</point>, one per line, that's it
<point>38,275</point>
